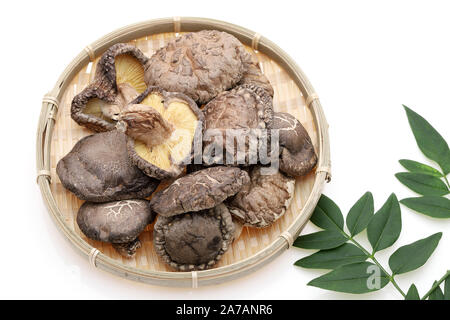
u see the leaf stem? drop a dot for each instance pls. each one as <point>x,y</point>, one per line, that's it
<point>372,257</point>
<point>437,284</point>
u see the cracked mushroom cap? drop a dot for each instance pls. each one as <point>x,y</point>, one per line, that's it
<point>119,78</point>
<point>200,190</point>
<point>161,127</point>
<point>118,222</point>
<point>98,169</point>
<point>195,240</point>
<point>265,199</point>
<point>297,156</point>
<point>199,64</point>
<point>244,108</point>
<point>254,76</point>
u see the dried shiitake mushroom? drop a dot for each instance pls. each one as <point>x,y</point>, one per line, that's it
<point>117,222</point>
<point>161,127</point>
<point>128,249</point>
<point>119,78</point>
<point>243,109</point>
<point>200,190</point>
<point>98,169</point>
<point>254,76</point>
<point>194,240</point>
<point>265,199</point>
<point>199,64</point>
<point>297,156</point>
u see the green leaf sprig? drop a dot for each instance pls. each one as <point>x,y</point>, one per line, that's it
<point>423,179</point>
<point>340,252</point>
<point>347,258</point>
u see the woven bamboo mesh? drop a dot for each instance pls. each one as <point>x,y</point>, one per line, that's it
<point>58,133</point>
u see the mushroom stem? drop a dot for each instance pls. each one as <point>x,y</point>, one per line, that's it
<point>126,93</point>
<point>144,123</point>
<point>111,111</point>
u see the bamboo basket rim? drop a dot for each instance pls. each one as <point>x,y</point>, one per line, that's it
<point>194,279</point>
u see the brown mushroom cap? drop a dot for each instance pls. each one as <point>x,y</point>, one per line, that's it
<point>297,152</point>
<point>128,249</point>
<point>195,240</point>
<point>162,127</point>
<point>119,71</point>
<point>119,78</point>
<point>116,222</point>
<point>200,190</point>
<point>199,64</point>
<point>264,200</point>
<point>244,108</point>
<point>254,76</point>
<point>98,169</point>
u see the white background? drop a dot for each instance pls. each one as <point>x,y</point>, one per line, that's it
<point>364,58</point>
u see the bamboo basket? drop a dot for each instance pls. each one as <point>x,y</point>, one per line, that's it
<point>57,134</point>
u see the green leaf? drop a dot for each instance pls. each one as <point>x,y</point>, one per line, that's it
<point>436,294</point>
<point>360,214</point>
<point>430,142</point>
<point>413,293</point>
<point>417,167</point>
<point>436,207</point>
<point>327,239</point>
<point>414,255</point>
<point>333,258</point>
<point>360,277</point>
<point>327,215</point>
<point>423,184</point>
<point>447,289</point>
<point>386,225</point>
